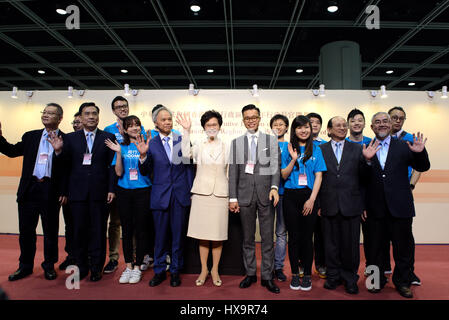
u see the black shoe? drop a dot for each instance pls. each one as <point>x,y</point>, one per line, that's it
<point>20,274</point>
<point>157,279</point>
<point>331,284</point>
<point>415,280</point>
<point>269,284</point>
<point>352,289</point>
<point>95,276</point>
<point>279,274</point>
<point>405,292</point>
<point>67,262</point>
<point>111,266</point>
<point>175,281</point>
<point>50,274</point>
<point>247,282</point>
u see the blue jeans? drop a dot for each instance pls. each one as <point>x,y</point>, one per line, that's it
<point>281,236</point>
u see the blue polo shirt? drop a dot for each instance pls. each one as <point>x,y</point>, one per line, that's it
<point>314,164</point>
<point>113,128</point>
<point>155,133</point>
<point>365,141</point>
<point>319,141</point>
<point>130,159</point>
<point>407,137</point>
<point>284,150</point>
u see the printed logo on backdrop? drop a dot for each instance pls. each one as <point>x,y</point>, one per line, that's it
<point>73,20</point>
<point>373,20</point>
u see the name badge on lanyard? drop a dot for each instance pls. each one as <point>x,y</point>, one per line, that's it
<point>302,180</point>
<point>43,158</point>
<point>133,175</point>
<point>249,168</point>
<point>87,159</point>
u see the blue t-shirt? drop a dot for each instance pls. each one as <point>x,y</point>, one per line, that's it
<point>314,164</point>
<point>130,160</point>
<point>155,133</point>
<point>365,141</point>
<point>284,150</point>
<point>407,137</point>
<point>113,128</point>
<point>319,142</point>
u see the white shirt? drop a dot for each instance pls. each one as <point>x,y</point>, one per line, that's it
<point>94,133</point>
<point>334,145</point>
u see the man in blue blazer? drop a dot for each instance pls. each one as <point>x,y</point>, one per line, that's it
<point>170,194</point>
<point>89,185</point>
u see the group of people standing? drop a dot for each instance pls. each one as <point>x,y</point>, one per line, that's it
<point>313,192</point>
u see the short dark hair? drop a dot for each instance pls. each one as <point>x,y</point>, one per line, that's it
<point>87,104</point>
<point>128,122</point>
<point>355,112</point>
<point>301,121</point>
<point>57,106</point>
<point>279,117</point>
<point>77,114</point>
<point>118,98</point>
<point>209,115</point>
<point>397,108</point>
<point>315,115</point>
<point>329,123</point>
<point>250,107</point>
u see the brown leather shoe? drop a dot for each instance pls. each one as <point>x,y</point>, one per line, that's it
<point>405,292</point>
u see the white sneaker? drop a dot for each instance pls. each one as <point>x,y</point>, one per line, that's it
<point>148,262</point>
<point>126,275</point>
<point>136,274</point>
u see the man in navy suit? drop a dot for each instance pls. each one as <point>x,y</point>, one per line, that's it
<point>170,195</point>
<point>89,186</point>
<point>39,192</point>
<point>389,200</point>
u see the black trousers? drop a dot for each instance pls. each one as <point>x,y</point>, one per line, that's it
<point>38,200</point>
<point>342,247</point>
<point>133,206</point>
<point>399,230</point>
<point>300,229</point>
<point>89,227</point>
<point>69,241</point>
<point>318,243</point>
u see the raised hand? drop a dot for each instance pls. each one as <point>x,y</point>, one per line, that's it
<point>370,151</point>
<point>293,152</point>
<point>141,145</point>
<point>55,141</point>
<point>148,135</point>
<point>184,121</point>
<point>114,146</point>
<point>418,143</point>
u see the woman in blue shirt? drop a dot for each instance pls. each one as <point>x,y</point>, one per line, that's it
<point>133,198</point>
<point>302,169</point>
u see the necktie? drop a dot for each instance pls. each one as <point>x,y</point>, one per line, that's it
<point>167,147</point>
<point>40,172</point>
<point>338,151</point>
<point>89,141</point>
<point>253,148</point>
<point>382,154</point>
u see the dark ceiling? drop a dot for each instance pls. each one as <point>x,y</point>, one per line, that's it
<point>164,45</point>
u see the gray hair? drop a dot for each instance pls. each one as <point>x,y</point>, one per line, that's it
<point>379,113</point>
<point>156,112</point>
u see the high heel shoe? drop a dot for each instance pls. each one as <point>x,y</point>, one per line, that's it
<point>199,282</point>
<point>217,282</point>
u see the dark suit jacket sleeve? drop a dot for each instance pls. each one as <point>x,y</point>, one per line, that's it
<point>233,171</point>
<point>58,171</point>
<point>363,177</point>
<point>66,162</point>
<point>145,167</point>
<point>113,179</point>
<point>420,161</point>
<point>12,150</point>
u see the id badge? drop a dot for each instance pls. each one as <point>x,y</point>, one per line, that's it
<point>87,159</point>
<point>249,168</point>
<point>133,174</point>
<point>302,181</point>
<point>43,158</point>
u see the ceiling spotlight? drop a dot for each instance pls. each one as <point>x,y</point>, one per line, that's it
<point>389,71</point>
<point>124,71</point>
<point>315,92</point>
<point>332,7</point>
<point>192,90</point>
<point>431,94</point>
<point>299,70</point>
<point>61,11</point>
<point>383,92</point>
<point>70,92</point>
<point>41,71</point>
<point>444,92</point>
<point>255,91</point>
<point>14,92</point>
<point>373,93</point>
<point>29,94</point>
<point>81,93</point>
<point>127,89</point>
<point>411,84</point>
<point>210,70</point>
<point>321,91</point>
<point>134,92</point>
<point>195,7</point>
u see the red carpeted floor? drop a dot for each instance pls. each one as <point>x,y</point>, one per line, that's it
<point>432,266</point>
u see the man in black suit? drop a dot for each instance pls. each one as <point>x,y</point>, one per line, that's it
<point>389,200</point>
<point>89,186</point>
<point>39,192</point>
<point>342,206</point>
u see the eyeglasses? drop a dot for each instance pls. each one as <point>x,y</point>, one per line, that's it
<point>122,107</point>
<point>76,122</point>
<point>48,113</point>
<point>248,119</point>
<point>396,118</point>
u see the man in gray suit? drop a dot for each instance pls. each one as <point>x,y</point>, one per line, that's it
<point>254,175</point>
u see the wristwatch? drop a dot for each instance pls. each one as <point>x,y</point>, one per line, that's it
<point>412,186</point>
